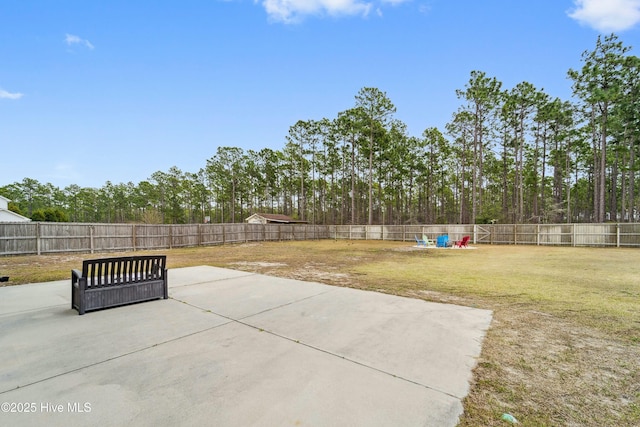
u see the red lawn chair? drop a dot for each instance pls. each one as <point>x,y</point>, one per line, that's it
<point>464,243</point>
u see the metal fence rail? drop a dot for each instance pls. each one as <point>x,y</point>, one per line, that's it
<point>46,238</point>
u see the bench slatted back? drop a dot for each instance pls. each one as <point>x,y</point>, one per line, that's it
<point>114,271</point>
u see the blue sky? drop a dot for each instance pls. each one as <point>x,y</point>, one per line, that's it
<point>97,91</point>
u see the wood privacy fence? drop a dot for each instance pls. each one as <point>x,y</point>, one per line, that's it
<point>45,238</point>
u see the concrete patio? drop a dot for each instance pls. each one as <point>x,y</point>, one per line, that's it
<point>232,348</point>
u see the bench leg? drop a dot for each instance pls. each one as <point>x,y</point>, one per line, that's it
<point>166,285</point>
<point>82,285</point>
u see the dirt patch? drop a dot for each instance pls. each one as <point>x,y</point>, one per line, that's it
<point>259,264</point>
<point>440,297</point>
<point>309,271</point>
<point>410,248</point>
<point>430,248</point>
<point>323,276</point>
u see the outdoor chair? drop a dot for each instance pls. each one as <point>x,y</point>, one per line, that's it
<point>442,241</point>
<point>464,243</point>
<point>420,242</point>
<point>428,242</point>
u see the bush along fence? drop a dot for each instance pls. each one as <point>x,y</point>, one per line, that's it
<point>47,238</point>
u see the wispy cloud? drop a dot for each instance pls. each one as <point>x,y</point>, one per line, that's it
<point>394,2</point>
<point>293,11</point>
<point>71,40</point>
<point>8,95</point>
<point>424,8</point>
<point>607,15</point>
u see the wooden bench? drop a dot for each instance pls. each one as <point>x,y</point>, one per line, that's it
<point>109,282</point>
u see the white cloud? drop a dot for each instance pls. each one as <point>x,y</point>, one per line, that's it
<point>424,8</point>
<point>7,95</point>
<point>395,2</point>
<point>293,11</point>
<point>70,39</point>
<point>290,11</point>
<point>607,15</point>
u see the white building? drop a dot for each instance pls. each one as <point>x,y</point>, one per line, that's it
<point>261,218</point>
<point>8,216</point>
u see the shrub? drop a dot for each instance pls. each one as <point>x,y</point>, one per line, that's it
<point>50,215</point>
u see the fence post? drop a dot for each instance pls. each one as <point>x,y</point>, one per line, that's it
<point>617,234</point>
<point>538,235</point>
<point>573,235</point>
<point>91,249</point>
<point>133,237</point>
<point>38,243</point>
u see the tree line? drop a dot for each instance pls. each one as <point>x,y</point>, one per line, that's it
<point>512,155</point>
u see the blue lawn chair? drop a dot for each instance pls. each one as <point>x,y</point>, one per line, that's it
<point>442,241</point>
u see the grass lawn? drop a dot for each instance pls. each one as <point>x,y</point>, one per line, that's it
<point>564,344</point>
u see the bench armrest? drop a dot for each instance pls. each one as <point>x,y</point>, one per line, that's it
<point>75,276</point>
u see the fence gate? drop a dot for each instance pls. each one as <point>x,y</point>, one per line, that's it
<point>482,234</point>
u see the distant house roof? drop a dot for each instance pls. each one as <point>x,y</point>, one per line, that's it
<point>9,216</point>
<point>262,218</point>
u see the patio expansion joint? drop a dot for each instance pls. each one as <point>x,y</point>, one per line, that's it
<point>100,362</point>
<point>242,321</point>
<point>30,310</point>
<point>356,362</point>
<point>249,274</point>
<point>239,320</point>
